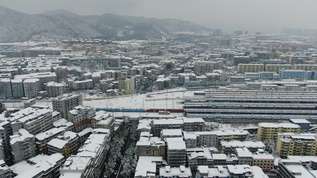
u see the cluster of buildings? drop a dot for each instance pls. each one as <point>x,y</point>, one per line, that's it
<point>268,80</point>
<point>39,141</point>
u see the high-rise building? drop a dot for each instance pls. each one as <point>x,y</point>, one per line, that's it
<point>65,103</point>
<point>55,89</point>
<point>31,87</point>
<point>5,88</point>
<point>17,88</point>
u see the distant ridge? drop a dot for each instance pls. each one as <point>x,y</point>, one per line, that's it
<point>61,24</point>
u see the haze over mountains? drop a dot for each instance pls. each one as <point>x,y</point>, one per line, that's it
<point>61,24</point>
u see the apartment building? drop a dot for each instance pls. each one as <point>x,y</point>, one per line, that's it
<point>295,144</point>
<point>230,146</point>
<point>17,88</point>
<point>23,145</point>
<point>65,103</point>
<point>231,171</point>
<point>39,166</point>
<point>151,146</point>
<point>31,87</point>
<point>179,171</point>
<point>176,151</point>
<point>264,161</point>
<point>5,88</point>
<point>159,125</point>
<point>43,138</point>
<point>269,131</point>
<point>55,89</point>
<point>66,144</point>
<point>242,68</point>
<point>193,124</point>
<point>34,120</point>
<point>81,117</point>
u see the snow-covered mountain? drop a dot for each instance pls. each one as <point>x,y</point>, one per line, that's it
<point>61,24</point>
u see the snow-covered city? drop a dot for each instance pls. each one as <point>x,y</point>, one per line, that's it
<point>109,96</point>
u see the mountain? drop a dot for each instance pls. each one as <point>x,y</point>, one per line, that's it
<point>61,24</point>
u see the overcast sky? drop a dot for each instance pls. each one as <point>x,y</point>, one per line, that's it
<point>253,15</point>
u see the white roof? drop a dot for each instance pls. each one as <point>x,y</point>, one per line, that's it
<point>175,171</point>
<point>146,165</point>
<point>189,135</point>
<point>85,131</point>
<point>263,156</point>
<point>243,152</point>
<point>300,121</point>
<point>77,163</point>
<point>168,121</point>
<point>175,143</point>
<point>57,143</point>
<point>171,132</point>
<point>49,133</point>
<point>40,163</point>
<point>299,170</point>
<point>277,125</point>
<point>21,136</point>
<point>240,144</point>
<point>219,156</point>
<point>303,158</point>
<point>192,120</point>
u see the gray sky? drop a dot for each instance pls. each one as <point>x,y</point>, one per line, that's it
<point>253,15</point>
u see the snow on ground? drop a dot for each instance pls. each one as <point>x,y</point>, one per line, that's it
<point>171,99</point>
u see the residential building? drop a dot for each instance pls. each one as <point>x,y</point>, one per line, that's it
<point>303,123</point>
<point>303,144</point>
<point>31,87</point>
<point>264,161</point>
<point>43,138</point>
<point>39,166</point>
<point>159,125</point>
<point>244,156</point>
<point>171,133</point>
<point>34,120</point>
<point>202,67</point>
<point>151,146</point>
<point>147,165</point>
<point>230,146</point>
<point>95,147</point>
<point>78,166</point>
<point>5,171</point>
<point>65,103</point>
<point>81,117</point>
<point>176,151</point>
<point>230,171</point>
<point>23,145</point>
<point>242,68</point>
<point>269,131</point>
<point>292,169</point>
<point>66,144</point>
<point>193,124</point>
<point>5,88</point>
<point>5,151</point>
<point>55,89</point>
<point>181,171</point>
<point>17,88</point>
